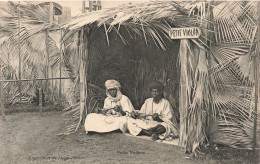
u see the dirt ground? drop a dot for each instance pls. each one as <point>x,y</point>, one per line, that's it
<point>31,137</point>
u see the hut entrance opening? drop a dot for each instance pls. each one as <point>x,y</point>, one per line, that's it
<point>135,62</point>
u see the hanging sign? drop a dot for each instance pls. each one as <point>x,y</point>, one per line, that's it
<point>184,33</point>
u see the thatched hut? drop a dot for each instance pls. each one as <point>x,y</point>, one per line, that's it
<point>203,77</point>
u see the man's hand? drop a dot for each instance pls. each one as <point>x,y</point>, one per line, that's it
<point>133,114</point>
<point>120,110</point>
<point>156,117</point>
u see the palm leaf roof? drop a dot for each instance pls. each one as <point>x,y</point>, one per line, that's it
<point>135,14</point>
<point>153,19</point>
<point>132,13</point>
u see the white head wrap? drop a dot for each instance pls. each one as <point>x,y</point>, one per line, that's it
<point>110,84</point>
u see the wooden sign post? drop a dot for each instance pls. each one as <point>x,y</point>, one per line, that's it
<point>40,99</point>
<point>2,96</point>
<point>184,33</point>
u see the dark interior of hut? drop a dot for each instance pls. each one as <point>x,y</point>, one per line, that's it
<point>134,62</point>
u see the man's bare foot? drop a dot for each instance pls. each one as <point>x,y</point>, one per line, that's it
<point>155,137</point>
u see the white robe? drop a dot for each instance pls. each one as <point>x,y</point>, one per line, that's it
<point>165,111</point>
<point>103,123</point>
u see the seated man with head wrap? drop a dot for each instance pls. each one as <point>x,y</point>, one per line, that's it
<point>117,108</point>
<point>155,117</point>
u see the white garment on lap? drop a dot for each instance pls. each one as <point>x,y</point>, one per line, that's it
<point>101,123</point>
<point>163,108</point>
<point>135,126</point>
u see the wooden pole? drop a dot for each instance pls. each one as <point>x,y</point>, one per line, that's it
<point>60,65</point>
<point>38,79</point>
<point>52,88</point>
<point>19,51</point>
<point>183,95</point>
<point>47,49</point>
<point>210,36</point>
<point>51,23</point>
<point>82,74</point>
<point>90,6</point>
<point>2,96</point>
<point>83,6</point>
<point>2,101</point>
<point>47,62</point>
<point>40,99</point>
<point>51,13</point>
<point>256,72</point>
<point>100,7</point>
<point>83,53</point>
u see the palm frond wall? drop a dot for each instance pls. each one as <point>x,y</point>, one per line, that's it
<point>236,26</point>
<point>34,25</point>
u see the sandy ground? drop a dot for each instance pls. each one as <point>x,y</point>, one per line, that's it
<point>32,138</point>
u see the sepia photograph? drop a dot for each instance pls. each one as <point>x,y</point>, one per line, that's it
<point>149,81</point>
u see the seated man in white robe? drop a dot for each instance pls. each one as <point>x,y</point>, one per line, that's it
<point>117,109</point>
<point>155,117</point>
